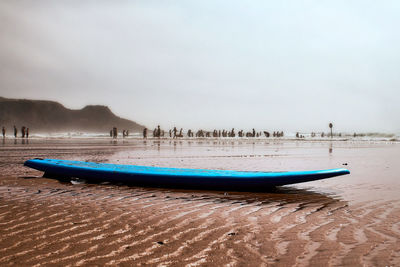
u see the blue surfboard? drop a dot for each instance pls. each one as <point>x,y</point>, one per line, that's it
<point>175,177</point>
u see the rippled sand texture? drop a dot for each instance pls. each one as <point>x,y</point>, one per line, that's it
<point>45,222</point>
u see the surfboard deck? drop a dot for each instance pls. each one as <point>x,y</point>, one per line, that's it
<point>175,177</point>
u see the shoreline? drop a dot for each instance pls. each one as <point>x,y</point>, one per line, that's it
<point>135,138</point>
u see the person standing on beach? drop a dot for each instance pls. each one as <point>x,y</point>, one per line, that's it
<point>27,133</point>
<point>145,133</point>
<point>4,132</point>
<point>174,131</point>
<point>15,131</point>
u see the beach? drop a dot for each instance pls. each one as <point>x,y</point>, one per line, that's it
<point>351,220</point>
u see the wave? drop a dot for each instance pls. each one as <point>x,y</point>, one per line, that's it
<point>363,136</point>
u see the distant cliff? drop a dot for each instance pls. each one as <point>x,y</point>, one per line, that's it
<point>49,116</point>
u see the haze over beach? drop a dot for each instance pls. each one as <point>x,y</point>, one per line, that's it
<point>209,64</point>
<point>199,133</point>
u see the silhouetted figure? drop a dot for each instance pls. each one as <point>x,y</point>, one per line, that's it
<point>297,135</point>
<point>15,131</point>
<point>331,126</point>
<point>3,130</point>
<point>355,135</point>
<point>27,133</point>
<point>170,133</point>
<point>111,133</point>
<point>200,133</point>
<point>155,132</point>
<point>322,134</point>
<point>145,133</point>
<point>233,132</point>
<point>23,131</point>
<point>174,131</point>
<point>115,132</point>
<point>158,131</point>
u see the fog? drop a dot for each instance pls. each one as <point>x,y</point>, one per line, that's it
<point>278,65</point>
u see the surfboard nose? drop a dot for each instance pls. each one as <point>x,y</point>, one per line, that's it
<point>344,171</point>
<point>28,163</point>
<point>31,162</point>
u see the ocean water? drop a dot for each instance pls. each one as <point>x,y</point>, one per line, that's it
<point>371,136</point>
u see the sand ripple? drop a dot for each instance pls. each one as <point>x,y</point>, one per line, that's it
<point>112,225</point>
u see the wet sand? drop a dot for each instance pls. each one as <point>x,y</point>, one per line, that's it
<point>351,220</point>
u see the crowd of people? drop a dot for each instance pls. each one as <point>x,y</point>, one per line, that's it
<point>175,133</point>
<point>114,133</point>
<point>24,132</point>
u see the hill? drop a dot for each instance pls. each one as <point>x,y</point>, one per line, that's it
<point>50,116</point>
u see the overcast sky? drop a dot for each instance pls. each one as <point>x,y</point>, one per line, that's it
<point>290,65</point>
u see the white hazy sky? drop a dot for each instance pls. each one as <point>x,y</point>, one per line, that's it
<point>290,65</point>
